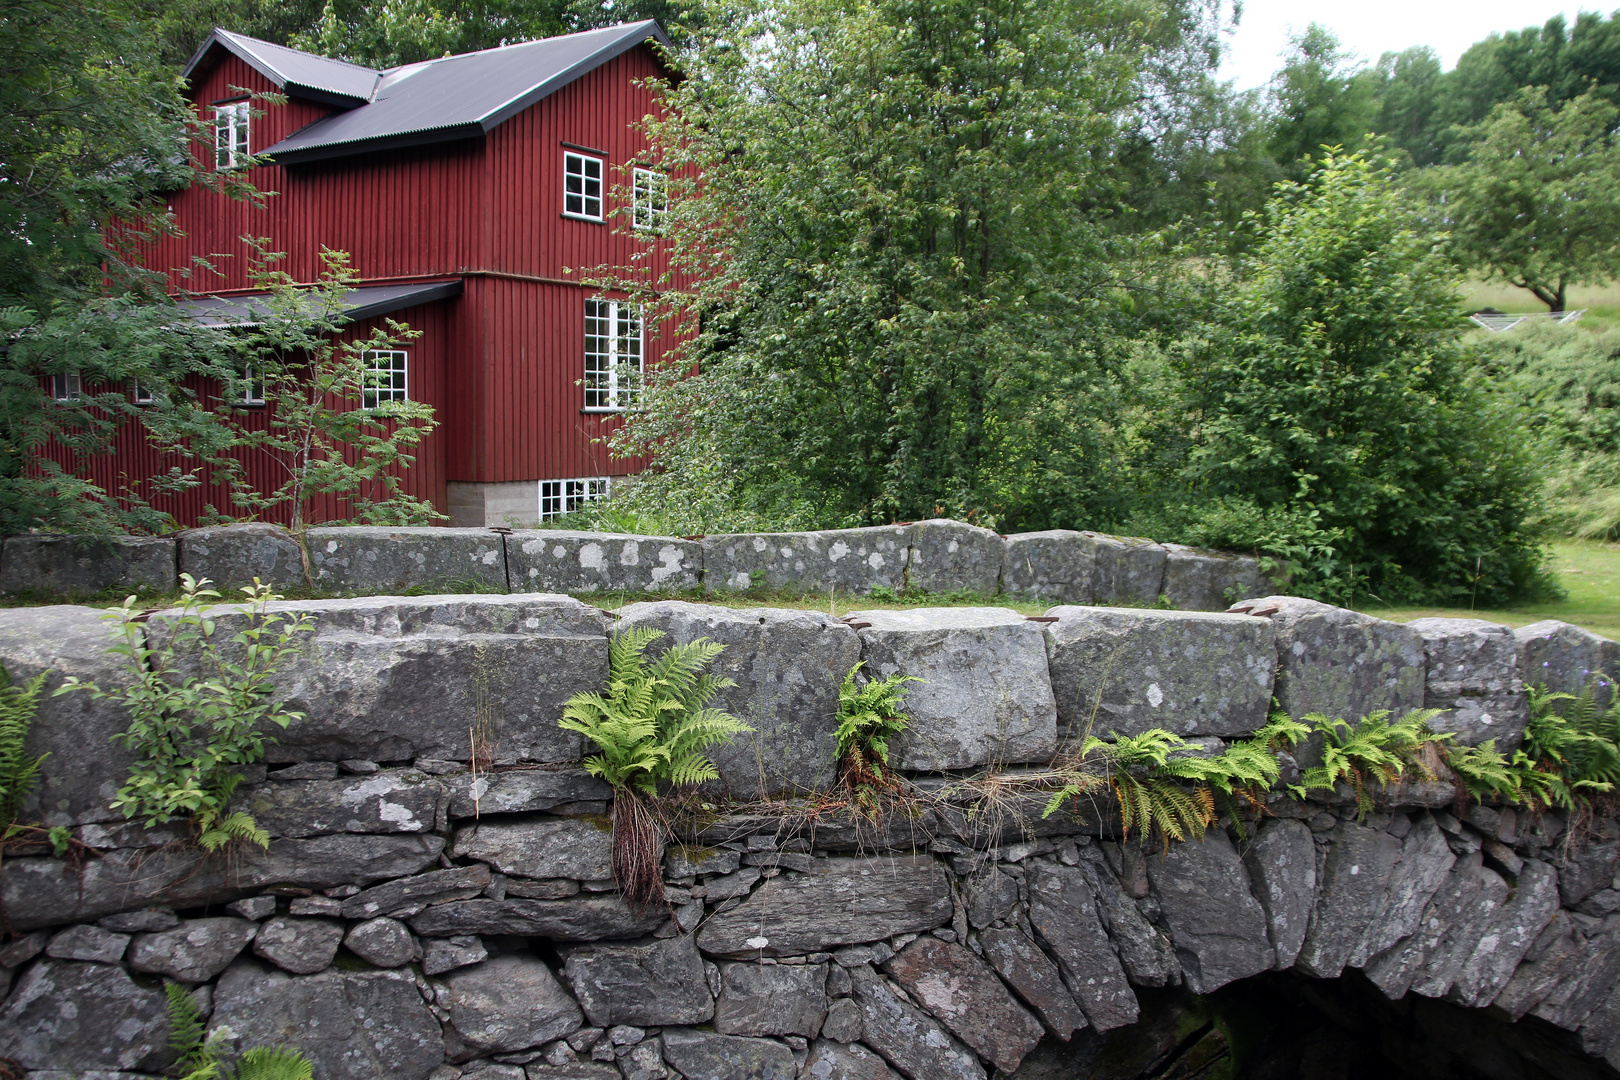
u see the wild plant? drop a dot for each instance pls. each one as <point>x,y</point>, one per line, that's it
<point>19,770</point>
<point>199,1056</point>
<point>650,727</point>
<point>868,717</point>
<point>1571,753</point>
<point>202,705</point>
<point>1372,751</point>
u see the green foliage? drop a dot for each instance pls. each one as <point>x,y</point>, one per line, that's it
<point>1331,393</point>
<point>18,769</point>
<point>199,1057</point>
<point>1536,203</point>
<point>868,717</point>
<point>1571,753</point>
<point>654,722</point>
<point>1372,751</point>
<point>1321,97</point>
<point>920,323</point>
<point>201,699</point>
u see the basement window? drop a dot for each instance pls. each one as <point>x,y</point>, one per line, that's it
<point>559,497</point>
<point>582,186</point>
<point>387,377</point>
<point>613,352</point>
<point>231,135</point>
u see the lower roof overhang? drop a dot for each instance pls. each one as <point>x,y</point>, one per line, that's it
<point>365,302</point>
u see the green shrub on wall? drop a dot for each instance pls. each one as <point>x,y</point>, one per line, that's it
<point>201,704</point>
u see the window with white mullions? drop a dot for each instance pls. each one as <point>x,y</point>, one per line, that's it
<point>67,386</point>
<point>582,186</point>
<point>387,377</point>
<point>650,199</point>
<point>231,135</point>
<point>141,393</point>
<point>252,386</point>
<point>613,353</point>
<point>559,497</point>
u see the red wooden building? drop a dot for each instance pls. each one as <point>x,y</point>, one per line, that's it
<point>474,193</point>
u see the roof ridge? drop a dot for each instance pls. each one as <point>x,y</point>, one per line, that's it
<point>248,38</point>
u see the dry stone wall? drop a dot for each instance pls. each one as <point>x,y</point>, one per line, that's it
<point>413,919</point>
<point>931,556</point>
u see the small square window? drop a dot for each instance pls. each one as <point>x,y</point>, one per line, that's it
<point>582,186</point>
<point>387,377</point>
<point>651,199</point>
<point>141,393</point>
<point>231,135</point>
<point>67,386</point>
<point>559,497</point>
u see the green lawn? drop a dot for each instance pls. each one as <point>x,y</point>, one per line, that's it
<point>1589,573</point>
<point>1601,302</point>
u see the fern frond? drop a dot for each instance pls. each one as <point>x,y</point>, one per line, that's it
<point>273,1063</point>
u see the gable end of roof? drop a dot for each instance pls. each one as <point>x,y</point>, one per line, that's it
<point>310,77</point>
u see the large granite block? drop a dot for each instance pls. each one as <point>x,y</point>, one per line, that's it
<point>838,902</point>
<point>351,1025</point>
<point>1342,663</point>
<point>1218,928</point>
<point>231,556</point>
<point>650,983</point>
<point>1131,669</point>
<point>68,565</point>
<point>985,694</point>
<point>1199,580</point>
<point>1473,674</point>
<point>83,1018</point>
<point>1566,658</point>
<point>393,678</point>
<point>546,560</point>
<point>85,767</point>
<point>1057,565</point>
<point>1130,570</point>
<point>948,555</point>
<point>541,846</point>
<point>375,560</point>
<point>964,994</point>
<point>849,560</point>
<point>788,666</point>
<point>1063,911</point>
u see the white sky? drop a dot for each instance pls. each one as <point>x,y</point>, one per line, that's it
<point>1372,27</point>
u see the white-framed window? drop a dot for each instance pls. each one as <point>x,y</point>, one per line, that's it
<point>650,189</point>
<point>387,377</point>
<point>252,386</point>
<point>140,393</point>
<point>559,497</point>
<point>613,355</point>
<point>231,135</point>
<point>582,186</point>
<point>67,386</point>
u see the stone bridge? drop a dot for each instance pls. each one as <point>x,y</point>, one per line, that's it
<point>412,920</point>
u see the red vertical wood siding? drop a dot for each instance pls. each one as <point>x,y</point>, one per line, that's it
<point>133,459</point>
<point>501,364</point>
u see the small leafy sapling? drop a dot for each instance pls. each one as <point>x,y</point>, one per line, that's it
<point>651,728</point>
<point>202,704</point>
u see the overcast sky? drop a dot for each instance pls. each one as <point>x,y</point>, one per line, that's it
<point>1372,27</point>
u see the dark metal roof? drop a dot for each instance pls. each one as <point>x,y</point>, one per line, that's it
<point>459,97</point>
<point>362,303</point>
<point>302,74</point>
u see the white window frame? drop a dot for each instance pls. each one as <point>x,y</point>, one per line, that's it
<point>581,177</point>
<point>649,201</point>
<point>139,394</point>
<point>559,497</point>
<point>615,355</point>
<point>68,386</point>
<point>252,386</point>
<point>231,130</point>
<point>375,394</point>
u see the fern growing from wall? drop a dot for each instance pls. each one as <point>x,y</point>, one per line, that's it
<point>868,717</point>
<point>19,771</point>
<point>651,728</point>
<point>200,1056</point>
